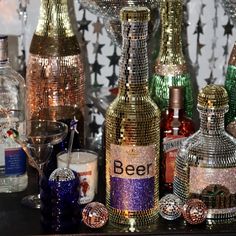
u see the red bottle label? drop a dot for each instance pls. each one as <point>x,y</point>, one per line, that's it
<point>171,145</point>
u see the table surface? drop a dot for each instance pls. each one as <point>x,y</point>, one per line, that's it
<point>17,220</point>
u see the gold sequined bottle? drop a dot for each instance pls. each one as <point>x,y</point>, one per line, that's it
<point>206,162</point>
<point>132,131</point>
<point>55,70</point>
<point>171,67</point>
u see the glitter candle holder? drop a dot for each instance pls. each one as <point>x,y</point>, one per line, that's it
<point>206,162</point>
<point>64,197</point>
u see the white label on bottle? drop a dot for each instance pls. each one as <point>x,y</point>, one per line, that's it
<point>201,178</point>
<point>132,162</point>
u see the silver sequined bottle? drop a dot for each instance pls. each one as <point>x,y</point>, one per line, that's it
<point>206,162</point>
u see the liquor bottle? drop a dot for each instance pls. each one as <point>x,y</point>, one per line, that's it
<point>170,67</point>
<point>133,131</point>
<point>206,162</point>
<point>13,175</point>
<point>230,85</point>
<point>175,127</point>
<point>55,71</point>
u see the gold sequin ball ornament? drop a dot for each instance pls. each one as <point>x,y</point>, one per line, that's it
<point>170,66</point>
<point>133,131</point>
<point>206,162</point>
<point>55,71</point>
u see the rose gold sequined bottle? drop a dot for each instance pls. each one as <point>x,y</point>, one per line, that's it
<point>206,162</point>
<point>133,131</point>
<point>55,71</point>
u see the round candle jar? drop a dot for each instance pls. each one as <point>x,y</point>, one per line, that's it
<point>84,162</point>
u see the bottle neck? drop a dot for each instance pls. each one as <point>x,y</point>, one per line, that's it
<point>54,34</point>
<point>171,54</point>
<point>3,51</point>
<point>54,20</point>
<point>212,121</point>
<point>133,76</point>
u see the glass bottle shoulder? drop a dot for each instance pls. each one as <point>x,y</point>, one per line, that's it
<point>209,151</point>
<point>9,76</point>
<point>136,107</point>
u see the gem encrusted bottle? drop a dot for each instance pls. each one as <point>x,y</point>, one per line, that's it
<point>132,131</point>
<point>206,163</point>
<point>55,70</point>
<point>171,67</point>
<point>230,85</point>
<point>13,176</point>
<point>175,127</point>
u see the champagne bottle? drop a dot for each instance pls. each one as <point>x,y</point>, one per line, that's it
<point>55,71</point>
<point>171,67</point>
<point>132,131</point>
<point>230,85</point>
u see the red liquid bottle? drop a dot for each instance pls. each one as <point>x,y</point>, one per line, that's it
<point>175,128</point>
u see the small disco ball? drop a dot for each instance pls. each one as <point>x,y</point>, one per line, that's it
<point>194,211</point>
<point>95,215</point>
<point>170,207</point>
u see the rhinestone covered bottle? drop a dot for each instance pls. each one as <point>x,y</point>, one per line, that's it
<point>55,71</point>
<point>132,131</point>
<point>171,67</point>
<point>206,162</point>
<point>230,85</point>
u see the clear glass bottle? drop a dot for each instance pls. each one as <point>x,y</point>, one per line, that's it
<point>230,85</point>
<point>175,128</point>
<point>206,162</point>
<point>55,71</point>
<point>170,67</point>
<point>133,131</point>
<point>13,175</point>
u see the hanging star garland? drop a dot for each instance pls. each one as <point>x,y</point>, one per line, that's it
<point>114,61</point>
<point>212,60</point>
<point>94,127</point>
<point>211,79</point>
<point>97,48</point>
<point>83,23</point>
<point>228,30</point>
<point>97,27</point>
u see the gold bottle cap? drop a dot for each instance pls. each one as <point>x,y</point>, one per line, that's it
<point>136,14</point>
<point>213,96</point>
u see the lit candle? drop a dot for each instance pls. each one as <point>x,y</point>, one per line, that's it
<point>84,162</point>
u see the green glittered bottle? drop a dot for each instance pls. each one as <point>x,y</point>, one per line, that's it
<point>230,85</point>
<point>171,67</point>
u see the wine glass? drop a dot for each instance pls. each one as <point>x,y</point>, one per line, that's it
<point>38,143</point>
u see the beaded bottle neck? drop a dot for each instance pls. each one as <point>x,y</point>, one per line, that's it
<point>54,33</point>
<point>212,121</point>
<point>171,27</point>
<point>133,76</point>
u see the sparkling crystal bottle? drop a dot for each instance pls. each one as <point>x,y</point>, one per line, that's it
<point>13,176</point>
<point>132,131</point>
<point>171,67</point>
<point>175,128</point>
<point>55,70</point>
<point>206,162</point>
<point>230,85</point>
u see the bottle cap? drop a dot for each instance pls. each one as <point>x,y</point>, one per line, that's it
<point>176,97</point>
<point>3,48</point>
<point>213,97</point>
<point>136,14</point>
